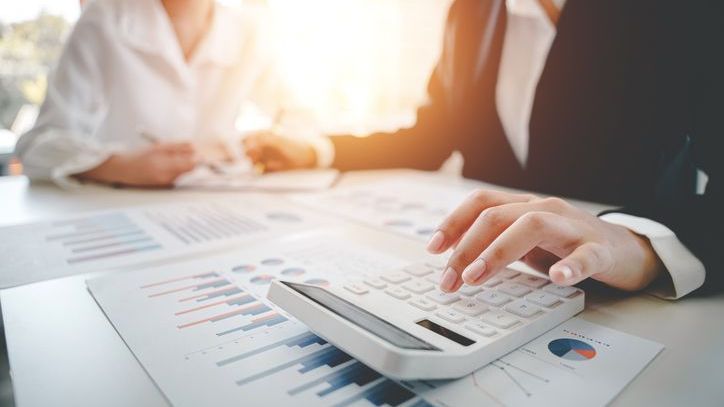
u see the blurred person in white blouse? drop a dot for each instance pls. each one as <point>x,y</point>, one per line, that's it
<point>147,89</point>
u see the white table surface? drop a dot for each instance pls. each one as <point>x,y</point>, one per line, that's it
<point>63,351</point>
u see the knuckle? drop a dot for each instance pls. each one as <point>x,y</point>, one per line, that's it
<point>480,196</point>
<point>600,255</point>
<point>534,220</point>
<point>555,204</point>
<point>492,216</point>
<point>496,254</point>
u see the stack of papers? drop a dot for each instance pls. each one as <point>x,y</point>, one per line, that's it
<point>240,177</point>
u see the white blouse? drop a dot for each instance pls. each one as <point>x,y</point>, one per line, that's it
<point>122,73</point>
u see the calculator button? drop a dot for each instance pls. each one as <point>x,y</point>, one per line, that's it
<point>423,304</point>
<point>508,273</point>
<point>356,288</point>
<point>499,319</point>
<point>438,264</point>
<point>492,282</point>
<point>541,298</point>
<point>522,309</point>
<point>531,281</point>
<point>470,290</point>
<point>559,290</point>
<point>443,298</point>
<point>375,282</point>
<point>418,286</point>
<point>451,316</point>
<point>481,328</point>
<point>435,277</point>
<point>398,293</point>
<point>514,289</point>
<point>418,270</point>
<point>493,298</point>
<point>470,307</point>
<point>395,278</point>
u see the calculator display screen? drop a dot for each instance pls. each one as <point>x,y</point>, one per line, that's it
<point>442,331</point>
<point>360,317</point>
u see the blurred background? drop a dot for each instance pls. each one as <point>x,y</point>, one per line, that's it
<point>353,66</point>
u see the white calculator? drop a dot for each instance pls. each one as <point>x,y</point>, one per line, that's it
<point>402,325</point>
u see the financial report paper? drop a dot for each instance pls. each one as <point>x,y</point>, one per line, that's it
<point>409,207</point>
<point>130,236</point>
<point>205,178</point>
<point>205,333</point>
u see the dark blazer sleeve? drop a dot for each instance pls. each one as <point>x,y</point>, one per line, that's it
<point>423,146</point>
<point>432,139</point>
<point>698,219</point>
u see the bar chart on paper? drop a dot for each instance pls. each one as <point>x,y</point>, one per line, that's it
<point>99,237</point>
<point>210,319</point>
<point>121,238</point>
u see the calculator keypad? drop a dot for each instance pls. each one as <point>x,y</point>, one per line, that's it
<point>451,316</point>
<point>398,293</point>
<point>470,307</point>
<point>514,289</point>
<point>418,286</point>
<point>396,277</point>
<point>503,303</point>
<point>443,298</point>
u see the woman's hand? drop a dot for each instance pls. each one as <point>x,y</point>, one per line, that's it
<point>492,229</point>
<point>157,166</point>
<point>278,153</point>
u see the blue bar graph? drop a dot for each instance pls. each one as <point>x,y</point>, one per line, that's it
<point>227,292</point>
<point>266,321</point>
<point>332,359</point>
<point>212,284</point>
<point>301,341</point>
<point>356,373</point>
<point>385,392</point>
<point>329,356</point>
<point>255,310</point>
<point>241,300</point>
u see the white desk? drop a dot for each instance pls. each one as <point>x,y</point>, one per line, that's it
<point>63,351</point>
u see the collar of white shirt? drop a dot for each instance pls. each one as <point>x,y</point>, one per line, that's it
<point>145,26</point>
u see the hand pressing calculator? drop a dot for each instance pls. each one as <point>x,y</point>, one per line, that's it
<point>400,324</point>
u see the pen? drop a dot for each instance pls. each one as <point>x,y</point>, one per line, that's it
<point>150,137</point>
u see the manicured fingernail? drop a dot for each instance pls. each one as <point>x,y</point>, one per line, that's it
<point>566,272</point>
<point>436,241</point>
<point>474,271</point>
<point>449,277</point>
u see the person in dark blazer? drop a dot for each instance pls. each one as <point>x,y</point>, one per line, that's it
<point>614,101</point>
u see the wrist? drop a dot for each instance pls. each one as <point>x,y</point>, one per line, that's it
<point>113,170</point>
<point>647,265</point>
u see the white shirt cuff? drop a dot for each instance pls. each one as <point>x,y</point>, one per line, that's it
<point>686,270</point>
<point>324,150</point>
<point>62,175</point>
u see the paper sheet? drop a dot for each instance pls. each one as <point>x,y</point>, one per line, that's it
<point>410,207</point>
<point>121,238</point>
<point>578,363</point>
<point>241,177</point>
<point>206,335</point>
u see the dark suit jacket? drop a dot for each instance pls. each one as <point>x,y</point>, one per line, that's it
<point>629,105</point>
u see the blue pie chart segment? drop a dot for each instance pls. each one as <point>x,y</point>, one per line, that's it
<point>571,349</point>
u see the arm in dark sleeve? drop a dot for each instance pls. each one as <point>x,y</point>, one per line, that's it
<point>424,146</point>
<point>698,220</point>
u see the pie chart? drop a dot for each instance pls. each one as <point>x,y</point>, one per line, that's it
<point>571,349</point>
<point>293,272</point>
<point>263,279</point>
